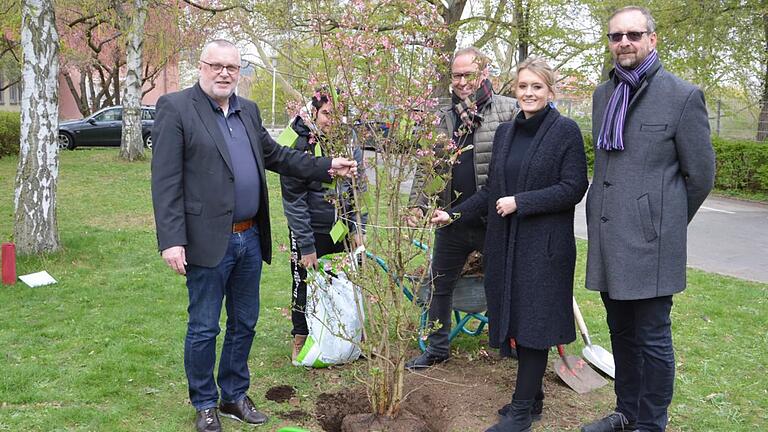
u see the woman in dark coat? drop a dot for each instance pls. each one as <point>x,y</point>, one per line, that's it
<point>538,174</point>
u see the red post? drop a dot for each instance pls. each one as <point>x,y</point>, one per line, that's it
<point>9,263</point>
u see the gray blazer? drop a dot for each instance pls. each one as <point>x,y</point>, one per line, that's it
<point>642,198</point>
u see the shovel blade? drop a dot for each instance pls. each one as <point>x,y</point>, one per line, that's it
<point>601,359</point>
<point>577,374</point>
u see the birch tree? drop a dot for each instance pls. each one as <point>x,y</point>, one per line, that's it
<point>35,228</point>
<point>132,143</point>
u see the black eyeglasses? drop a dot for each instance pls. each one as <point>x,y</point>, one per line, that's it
<point>469,76</point>
<point>217,68</point>
<point>632,36</point>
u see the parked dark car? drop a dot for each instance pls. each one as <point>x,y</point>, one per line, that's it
<point>103,128</point>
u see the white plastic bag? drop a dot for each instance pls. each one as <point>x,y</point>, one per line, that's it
<point>335,320</point>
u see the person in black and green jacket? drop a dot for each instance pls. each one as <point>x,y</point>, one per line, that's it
<point>311,213</point>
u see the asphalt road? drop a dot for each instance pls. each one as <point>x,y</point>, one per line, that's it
<point>726,236</point>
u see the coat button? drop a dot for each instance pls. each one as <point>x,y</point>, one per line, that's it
<point>607,184</point>
<point>231,179</point>
<point>229,212</point>
<point>604,219</point>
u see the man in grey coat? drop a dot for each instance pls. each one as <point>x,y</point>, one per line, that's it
<point>654,166</point>
<point>471,121</point>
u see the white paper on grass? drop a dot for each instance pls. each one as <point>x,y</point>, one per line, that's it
<point>37,279</point>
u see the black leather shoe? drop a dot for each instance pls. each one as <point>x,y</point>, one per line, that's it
<point>613,422</point>
<point>207,420</point>
<point>243,411</point>
<point>425,360</point>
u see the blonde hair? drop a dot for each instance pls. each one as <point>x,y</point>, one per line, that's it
<point>539,67</point>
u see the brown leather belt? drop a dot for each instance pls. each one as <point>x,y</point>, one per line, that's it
<point>239,227</point>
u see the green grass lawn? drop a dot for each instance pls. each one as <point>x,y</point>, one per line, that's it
<point>102,349</point>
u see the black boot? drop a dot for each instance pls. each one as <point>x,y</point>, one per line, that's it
<point>536,408</point>
<point>517,419</point>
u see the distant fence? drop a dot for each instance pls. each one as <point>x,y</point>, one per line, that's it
<point>727,119</point>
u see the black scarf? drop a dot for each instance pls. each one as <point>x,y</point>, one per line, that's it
<point>468,110</point>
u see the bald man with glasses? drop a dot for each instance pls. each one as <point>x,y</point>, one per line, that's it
<point>211,208</point>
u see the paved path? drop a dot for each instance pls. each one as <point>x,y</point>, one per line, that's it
<point>727,236</point>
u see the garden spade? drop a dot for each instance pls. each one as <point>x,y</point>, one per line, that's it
<point>595,354</point>
<point>576,373</point>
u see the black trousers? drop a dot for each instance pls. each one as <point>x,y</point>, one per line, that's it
<point>641,337</point>
<point>324,245</point>
<point>531,365</point>
<point>453,244</point>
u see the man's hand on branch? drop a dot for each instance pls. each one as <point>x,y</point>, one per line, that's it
<point>343,167</point>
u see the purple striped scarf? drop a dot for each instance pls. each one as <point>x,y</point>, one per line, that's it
<point>612,130</point>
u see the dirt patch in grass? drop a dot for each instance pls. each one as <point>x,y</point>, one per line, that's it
<point>280,394</point>
<point>464,394</point>
<point>295,415</point>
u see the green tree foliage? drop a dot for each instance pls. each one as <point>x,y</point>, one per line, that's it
<point>10,51</point>
<point>93,44</point>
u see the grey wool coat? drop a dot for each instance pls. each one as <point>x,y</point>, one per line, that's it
<point>529,259</point>
<point>498,110</point>
<point>642,198</point>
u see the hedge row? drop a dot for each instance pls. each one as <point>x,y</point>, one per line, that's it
<point>10,129</point>
<point>742,165</point>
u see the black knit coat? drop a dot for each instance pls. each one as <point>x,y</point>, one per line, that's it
<point>529,259</point>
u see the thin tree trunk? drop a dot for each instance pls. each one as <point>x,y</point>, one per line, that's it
<point>82,104</point>
<point>450,16</point>
<point>762,121</point>
<point>522,15</point>
<point>132,142</point>
<point>35,227</point>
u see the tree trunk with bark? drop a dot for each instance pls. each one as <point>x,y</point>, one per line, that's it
<point>522,14</point>
<point>451,16</point>
<point>762,121</point>
<point>132,141</point>
<point>35,227</point>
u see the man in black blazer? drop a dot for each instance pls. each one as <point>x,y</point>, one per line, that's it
<point>212,215</point>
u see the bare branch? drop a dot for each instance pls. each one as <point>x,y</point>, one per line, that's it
<point>216,9</point>
<point>10,84</point>
<point>493,28</point>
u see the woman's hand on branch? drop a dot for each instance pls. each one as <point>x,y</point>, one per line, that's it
<point>440,217</point>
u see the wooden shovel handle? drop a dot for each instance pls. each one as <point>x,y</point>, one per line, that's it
<point>581,323</point>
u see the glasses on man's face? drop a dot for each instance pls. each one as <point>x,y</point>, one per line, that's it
<point>217,68</point>
<point>633,36</point>
<point>469,76</point>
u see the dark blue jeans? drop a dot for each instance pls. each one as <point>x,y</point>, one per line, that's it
<point>641,337</point>
<point>453,244</point>
<point>235,278</point>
